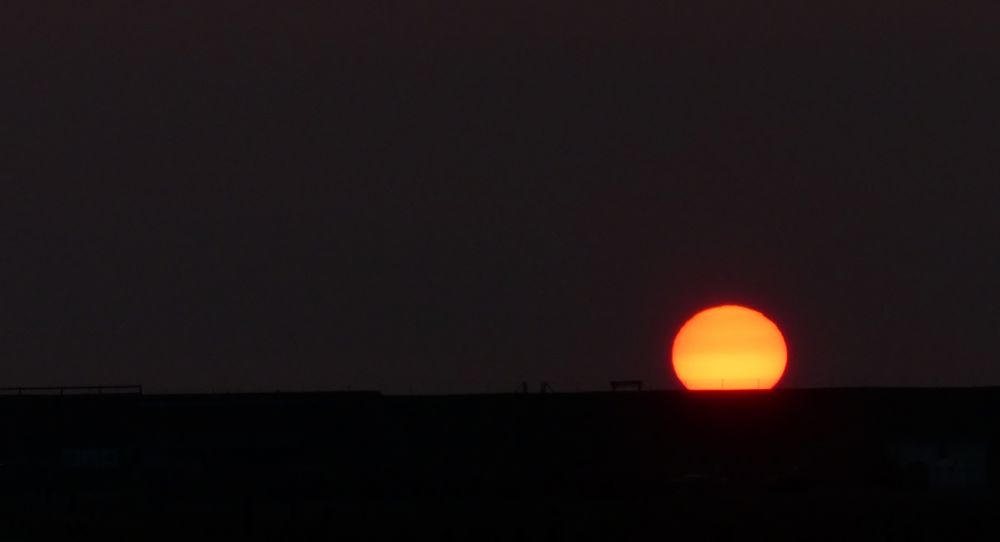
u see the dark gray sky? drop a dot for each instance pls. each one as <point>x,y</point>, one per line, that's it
<point>457,196</point>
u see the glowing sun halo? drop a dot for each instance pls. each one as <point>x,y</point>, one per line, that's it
<point>729,347</point>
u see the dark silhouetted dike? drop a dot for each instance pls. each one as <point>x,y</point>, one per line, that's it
<point>519,465</point>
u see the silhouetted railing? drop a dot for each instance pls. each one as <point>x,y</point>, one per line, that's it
<point>135,389</point>
<point>726,384</point>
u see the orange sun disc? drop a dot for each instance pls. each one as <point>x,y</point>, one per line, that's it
<point>729,348</point>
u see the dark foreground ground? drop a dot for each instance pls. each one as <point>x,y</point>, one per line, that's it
<point>801,464</point>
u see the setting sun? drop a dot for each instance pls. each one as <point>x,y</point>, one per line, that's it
<point>729,348</point>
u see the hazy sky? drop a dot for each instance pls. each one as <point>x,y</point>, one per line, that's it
<point>457,196</point>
